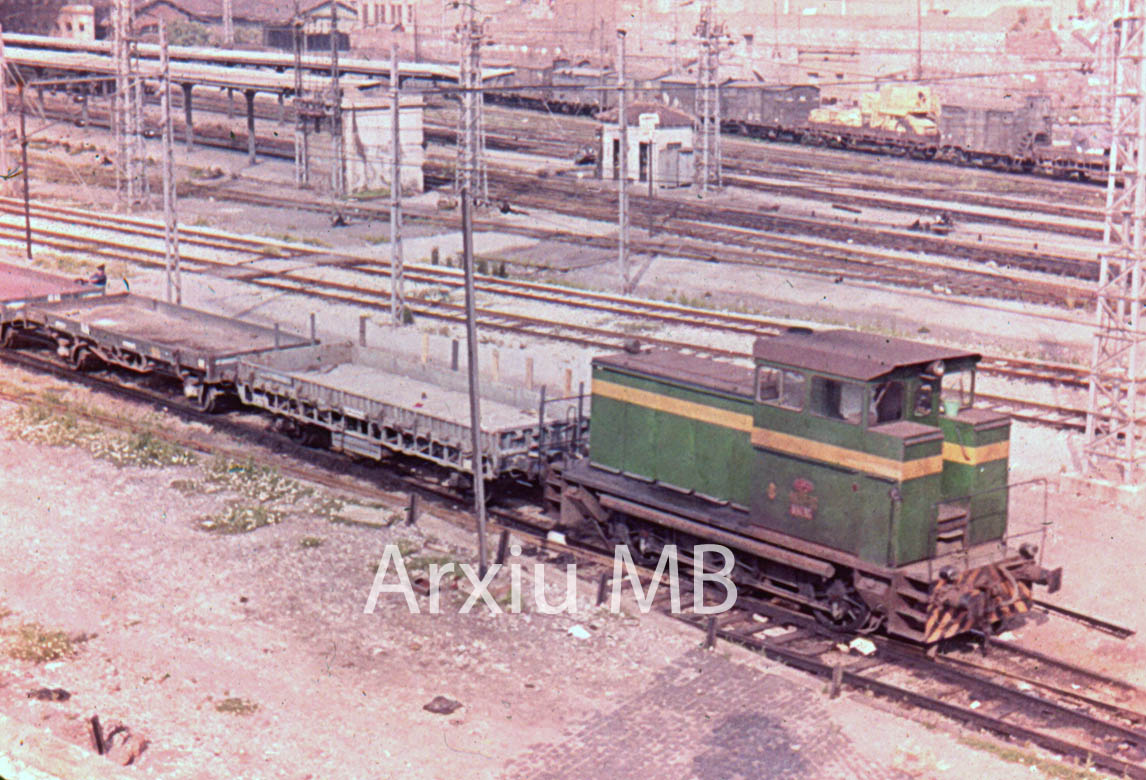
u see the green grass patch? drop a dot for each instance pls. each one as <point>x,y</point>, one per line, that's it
<point>264,484</point>
<point>32,642</point>
<point>241,518</point>
<point>233,705</point>
<point>45,423</point>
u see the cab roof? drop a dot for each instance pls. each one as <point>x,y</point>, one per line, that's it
<point>849,354</point>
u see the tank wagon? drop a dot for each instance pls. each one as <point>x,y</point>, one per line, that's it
<point>849,473</point>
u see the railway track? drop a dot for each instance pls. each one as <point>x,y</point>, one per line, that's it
<point>772,240</point>
<point>376,297</point>
<point>744,167</point>
<point>1014,692</point>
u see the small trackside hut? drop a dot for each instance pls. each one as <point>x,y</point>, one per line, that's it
<point>850,473</point>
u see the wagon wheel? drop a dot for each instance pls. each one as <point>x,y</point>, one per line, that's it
<point>81,358</point>
<point>208,399</point>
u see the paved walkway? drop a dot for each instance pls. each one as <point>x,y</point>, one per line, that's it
<point>706,717</point>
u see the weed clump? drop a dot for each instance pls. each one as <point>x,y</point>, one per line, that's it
<point>32,642</point>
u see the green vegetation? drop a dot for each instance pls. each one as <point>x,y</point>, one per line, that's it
<point>187,33</point>
<point>236,706</point>
<point>32,642</point>
<point>241,518</point>
<point>379,192</point>
<point>46,423</point>
<point>310,542</point>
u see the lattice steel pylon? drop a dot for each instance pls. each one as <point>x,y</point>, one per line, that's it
<point>708,173</point>
<point>470,172</point>
<point>1115,430</point>
<point>130,161</point>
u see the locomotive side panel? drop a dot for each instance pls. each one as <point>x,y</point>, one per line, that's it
<point>685,436</point>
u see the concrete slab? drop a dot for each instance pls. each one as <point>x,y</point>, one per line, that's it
<point>1129,497</point>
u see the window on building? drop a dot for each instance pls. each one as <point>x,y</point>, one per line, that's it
<point>781,388</point>
<point>886,403</point>
<point>838,400</point>
<point>395,13</point>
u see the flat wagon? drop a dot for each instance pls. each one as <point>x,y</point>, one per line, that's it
<point>21,286</point>
<point>148,336</point>
<point>371,402</point>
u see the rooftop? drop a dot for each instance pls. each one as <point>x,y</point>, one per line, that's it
<point>848,353</point>
<point>667,116</point>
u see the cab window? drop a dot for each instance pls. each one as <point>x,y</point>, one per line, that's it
<point>838,400</point>
<point>781,388</point>
<point>886,403</point>
<point>957,391</point>
<point>924,399</point>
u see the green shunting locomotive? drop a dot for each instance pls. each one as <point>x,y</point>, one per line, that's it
<point>849,473</point>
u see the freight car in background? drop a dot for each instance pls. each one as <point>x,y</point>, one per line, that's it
<point>1013,133</point>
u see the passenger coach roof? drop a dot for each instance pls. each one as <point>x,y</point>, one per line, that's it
<point>850,354</point>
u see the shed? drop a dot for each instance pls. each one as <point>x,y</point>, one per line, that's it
<point>368,139</point>
<point>660,141</point>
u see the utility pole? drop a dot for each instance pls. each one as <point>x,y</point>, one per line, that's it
<point>622,163</point>
<point>1115,427</point>
<point>471,169</point>
<point>472,367</point>
<point>170,227</point>
<point>119,113</point>
<point>397,270</point>
<point>338,167</point>
<point>229,22</point>
<point>708,99</point>
<point>130,163</point>
<point>301,128</point>
<point>5,169</point>
<point>918,40</point>
<point>24,167</point>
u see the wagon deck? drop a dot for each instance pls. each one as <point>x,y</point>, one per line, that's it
<point>20,286</point>
<point>371,401</point>
<point>143,333</point>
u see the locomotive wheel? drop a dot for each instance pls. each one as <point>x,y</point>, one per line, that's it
<point>845,610</point>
